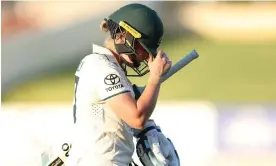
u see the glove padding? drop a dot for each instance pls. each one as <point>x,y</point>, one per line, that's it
<point>153,148</point>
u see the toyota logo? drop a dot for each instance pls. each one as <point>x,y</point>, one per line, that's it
<point>111,79</point>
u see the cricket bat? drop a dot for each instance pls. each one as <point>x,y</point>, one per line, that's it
<point>180,64</point>
<point>174,69</point>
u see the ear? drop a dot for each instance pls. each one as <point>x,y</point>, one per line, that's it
<point>120,38</point>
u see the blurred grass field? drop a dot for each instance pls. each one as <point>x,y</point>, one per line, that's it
<point>225,71</point>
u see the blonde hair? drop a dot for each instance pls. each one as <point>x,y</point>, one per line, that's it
<point>108,42</point>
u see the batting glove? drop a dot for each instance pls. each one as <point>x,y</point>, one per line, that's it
<point>154,148</point>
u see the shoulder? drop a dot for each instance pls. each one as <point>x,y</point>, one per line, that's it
<point>95,58</point>
<point>100,61</point>
<point>96,63</point>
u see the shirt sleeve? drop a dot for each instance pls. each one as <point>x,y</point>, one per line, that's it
<point>112,81</point>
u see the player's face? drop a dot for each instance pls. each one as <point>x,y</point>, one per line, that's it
<point>142,55</point>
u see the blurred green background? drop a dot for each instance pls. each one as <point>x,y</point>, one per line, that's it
<point>236,43</point>
<point>225,71</point>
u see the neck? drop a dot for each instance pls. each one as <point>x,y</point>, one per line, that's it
<point>117,57</point>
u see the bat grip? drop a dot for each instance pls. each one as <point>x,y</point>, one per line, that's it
<point>180,64</point>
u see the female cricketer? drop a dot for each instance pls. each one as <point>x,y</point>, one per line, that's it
<point>108,114</point>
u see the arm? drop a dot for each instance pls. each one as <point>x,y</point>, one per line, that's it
<point>138,112</point>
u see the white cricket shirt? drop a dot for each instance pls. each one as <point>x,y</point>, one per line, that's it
<point>100,138</point>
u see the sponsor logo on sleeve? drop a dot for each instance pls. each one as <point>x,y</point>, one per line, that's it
<point>114,81</point>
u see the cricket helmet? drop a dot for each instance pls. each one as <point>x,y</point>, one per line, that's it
<point>142,24</point>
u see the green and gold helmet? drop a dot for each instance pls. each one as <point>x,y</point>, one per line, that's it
<point>142,24</point>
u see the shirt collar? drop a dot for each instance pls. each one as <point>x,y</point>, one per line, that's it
<point>100,50</point>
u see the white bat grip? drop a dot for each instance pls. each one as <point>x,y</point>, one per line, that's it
<point>180,64</point>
